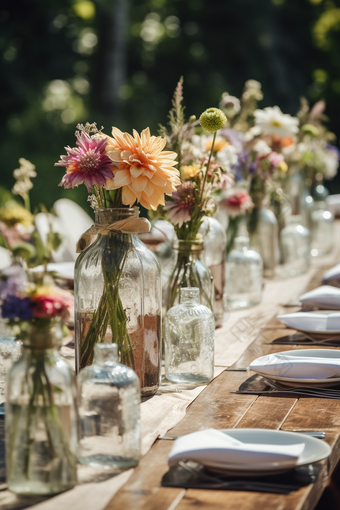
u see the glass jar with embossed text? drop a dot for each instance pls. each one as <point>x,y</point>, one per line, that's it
<point>189,340</point>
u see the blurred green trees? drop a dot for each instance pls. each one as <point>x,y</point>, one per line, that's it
<point>117,62</point>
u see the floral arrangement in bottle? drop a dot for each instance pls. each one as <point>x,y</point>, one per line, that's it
<point>41,427</point>
<point>204,160</point>
<point>120,172</point>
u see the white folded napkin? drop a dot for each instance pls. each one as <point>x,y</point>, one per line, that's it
<point>63,269</point>
<point>296,367</point>
<point>213,447</point>
<point>326,297</point>
<point>332,276</point>
<point>312,321</point>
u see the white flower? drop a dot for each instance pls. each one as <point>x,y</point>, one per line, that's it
<point>230,104</point>
<point>331,163</point>
<point>272,121</point>
<point>26,170</point>
<point>252,133</point>
<point>227,157</point>
<point>22,187</point>
<point>262,148</point>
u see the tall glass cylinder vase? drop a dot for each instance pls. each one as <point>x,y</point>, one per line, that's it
<point>214,257</point>
<point>41,417</point>
<point>190,271</point>
<point>263,233</point>
<point>118,299</point>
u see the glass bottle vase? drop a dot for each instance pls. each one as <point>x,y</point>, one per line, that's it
<point>190,271</point>
<point>263,233</point>
<point>244,275</point>
<point>322,230</point>
<point>118,299</point>
<point>295,245</point>
<point>41,417</point>
<point>214,255</point>
<point>109,412</point>
<point>189,340</point>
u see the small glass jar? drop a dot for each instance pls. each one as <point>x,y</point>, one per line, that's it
<point>189,340</point>
<point>41,417</point>
<point>263,229</point>
<point>214,255</point>
<point>244,275</point>
<point>109,412</point>
<point>322,230</point>
<point>295,246</point>
<point>190,271</point>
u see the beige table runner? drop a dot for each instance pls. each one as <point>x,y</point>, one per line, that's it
<point>163,411</point>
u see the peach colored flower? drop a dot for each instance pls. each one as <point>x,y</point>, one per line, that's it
<point>145,171</point>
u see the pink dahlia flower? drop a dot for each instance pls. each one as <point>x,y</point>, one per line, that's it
<point>51,303</point>
<point>236,202</point>
<point>86,163</point>
<point>182,205</point>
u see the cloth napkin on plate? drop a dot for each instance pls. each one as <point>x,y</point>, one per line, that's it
<point>332,276</point>
<point>313,321</point>
<point>326,297</point>
<point>297,367</point>
<point>213,447</point>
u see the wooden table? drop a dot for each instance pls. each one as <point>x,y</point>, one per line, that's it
<point>217,407</point>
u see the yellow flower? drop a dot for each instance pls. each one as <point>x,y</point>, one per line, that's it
<point>190,171</point>
<point>145,170</point>
<point>13,214</point>
<point>283,166</point>
<point>220,143</point>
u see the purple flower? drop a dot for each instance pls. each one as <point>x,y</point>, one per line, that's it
<point>13,282</point>
<point>86,163</point>
<point>17,308</point>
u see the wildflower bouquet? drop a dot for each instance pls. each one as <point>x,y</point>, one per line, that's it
<point>204,161</point>
<point>18,233</point>
<point>119,172</point>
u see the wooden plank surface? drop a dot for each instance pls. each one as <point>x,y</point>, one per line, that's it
<point>217,407</point>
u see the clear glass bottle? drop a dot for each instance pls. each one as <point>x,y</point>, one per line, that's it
<point>244,275</point>
<point>263,233</point>
<point>41,417</point>
<point>109,412</point>
<point>295,246</point>
<point>118,299</point>
<point>322,230</point>
<point>214,256</point>
<point>190,271</point>
<point>189,340</point>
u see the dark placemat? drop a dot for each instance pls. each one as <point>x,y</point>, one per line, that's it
<point>301,339</point>
<point>190,475</point>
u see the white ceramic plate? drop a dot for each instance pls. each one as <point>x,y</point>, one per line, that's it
<point>310,353</point>
<point>314,450</point>
<point>315,333</point>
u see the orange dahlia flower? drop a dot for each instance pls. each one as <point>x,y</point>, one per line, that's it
<point>145,171</point>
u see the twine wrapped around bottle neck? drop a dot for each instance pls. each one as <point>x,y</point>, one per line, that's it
<point>131,225</point>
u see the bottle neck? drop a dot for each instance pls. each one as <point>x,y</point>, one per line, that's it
<point>190,296</point>
<point>105,354</point>
<point>111,215</point>
<point>191,249</point>
<point>43,336</point>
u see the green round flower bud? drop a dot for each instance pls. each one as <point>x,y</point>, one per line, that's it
<point>24,250</point>
<point>213,119</point>
<point>309,129</point>
<point>192,119</point>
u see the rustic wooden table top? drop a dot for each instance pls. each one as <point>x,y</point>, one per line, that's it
<point>217,407</point>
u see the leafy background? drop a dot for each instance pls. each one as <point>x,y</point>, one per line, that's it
<point>116,62</point>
